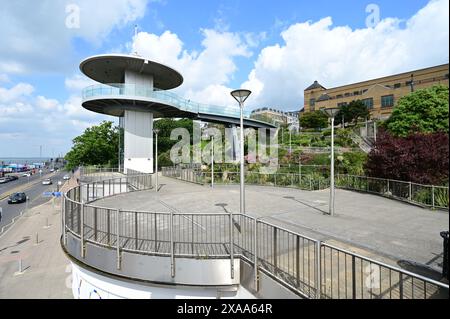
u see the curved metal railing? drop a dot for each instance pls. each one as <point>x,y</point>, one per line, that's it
<point>307,266</point>
<point>164,97</point>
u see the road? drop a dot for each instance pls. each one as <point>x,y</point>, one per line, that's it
<point>34,192</point>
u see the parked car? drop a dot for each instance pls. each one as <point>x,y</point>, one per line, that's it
<point>4,180</point>
<point>17,198</point>
<point>52,170</point>
<point>66,177</point>
<point>12,177</point>
<point>47,181</point>
<point>26,174</point>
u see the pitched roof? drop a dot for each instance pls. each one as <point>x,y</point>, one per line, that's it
<point>315,85</point>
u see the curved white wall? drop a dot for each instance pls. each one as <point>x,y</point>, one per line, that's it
<point>89,285</point>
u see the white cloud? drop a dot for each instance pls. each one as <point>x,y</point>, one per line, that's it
<point>78,82</point>
<point>35,34</point>
<point>4,78</point>
<point>16,92</point>
<point>337,55</point>
<point>214,65</point>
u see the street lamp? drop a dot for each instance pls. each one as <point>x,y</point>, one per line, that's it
<point>331,113</point>
<point>240,96</point>
<point>156,131</point>
<point>212,157</point>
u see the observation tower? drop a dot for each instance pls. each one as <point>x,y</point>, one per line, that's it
<point>136,89</point>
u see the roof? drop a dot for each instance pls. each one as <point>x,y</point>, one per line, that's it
<point>315,85</point>
<point>110,68</point>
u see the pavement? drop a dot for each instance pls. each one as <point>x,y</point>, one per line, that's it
<point>35,240</point>
<point>387,230</point>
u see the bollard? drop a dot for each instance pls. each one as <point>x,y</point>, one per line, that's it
<point>37,238</point>
<point>20,265</point>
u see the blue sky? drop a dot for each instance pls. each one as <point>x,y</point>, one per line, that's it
<point>275,48</point>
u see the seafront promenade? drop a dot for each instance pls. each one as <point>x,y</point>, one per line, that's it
<point>35,240</point>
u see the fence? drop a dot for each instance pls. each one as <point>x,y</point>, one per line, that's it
<point>307,266</point>
<point>425,195</point>
<point>307,182</point>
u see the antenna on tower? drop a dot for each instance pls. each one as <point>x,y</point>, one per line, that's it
<point>135,36</point>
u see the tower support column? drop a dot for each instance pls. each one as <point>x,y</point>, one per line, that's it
<point>138,141</point>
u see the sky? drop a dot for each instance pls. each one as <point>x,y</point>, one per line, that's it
<point>274,48</point>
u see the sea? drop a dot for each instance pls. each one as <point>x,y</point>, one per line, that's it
<point>23,160</point>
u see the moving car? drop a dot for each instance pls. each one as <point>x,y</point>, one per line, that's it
<point>4,180</point>
<point>17,198</point>
<point>26,174</point>
<point>47,181</point>
<point>66,177</point>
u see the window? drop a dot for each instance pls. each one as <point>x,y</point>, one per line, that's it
<point>387,101</point>
<point>364,91</point>
<point>356,93</point>
<point>397,85</point>
<point>341,104</point>
<point>347,94</point>
<point>312,102</point>
<point>339,96</point>
<point>368,102</point>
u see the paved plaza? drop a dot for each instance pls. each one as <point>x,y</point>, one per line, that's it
<point>386,230</point>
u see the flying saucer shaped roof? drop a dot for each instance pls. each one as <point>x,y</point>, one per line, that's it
<point>110,68</point>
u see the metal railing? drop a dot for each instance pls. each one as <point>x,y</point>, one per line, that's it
<point>425,195</point>
<point>133,90</point>
<point>295,180</point>
<point>310,268</point>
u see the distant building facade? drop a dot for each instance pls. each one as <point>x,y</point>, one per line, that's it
<point>277,117</point>
<point>379,95</point>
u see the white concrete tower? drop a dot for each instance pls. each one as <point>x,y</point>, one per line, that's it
<point>131,88</point>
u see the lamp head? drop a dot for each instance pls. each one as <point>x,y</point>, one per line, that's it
<point>240,95</point>
<point>331,112</point>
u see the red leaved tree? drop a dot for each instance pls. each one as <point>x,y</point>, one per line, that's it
<point>419,158</point>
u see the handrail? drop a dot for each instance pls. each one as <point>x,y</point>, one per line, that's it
<point>130,90</point>
<point>276,249</point>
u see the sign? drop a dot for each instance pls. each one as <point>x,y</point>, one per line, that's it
<point>50,194</point>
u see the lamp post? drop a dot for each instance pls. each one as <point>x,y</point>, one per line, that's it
<point>240,96</point>
<point>156,131</point>
<point>331,113</point>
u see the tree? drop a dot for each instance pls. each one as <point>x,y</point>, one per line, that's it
<point>420,158</point>
<point>98,145</point>
<point>316,120</point>
<point>352,112</point>
<point>423,111</point>
<point>165,126</point>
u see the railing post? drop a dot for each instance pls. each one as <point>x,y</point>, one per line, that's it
<point>310,183</point>
<point>103,187</point>
<point>172,252</point>
<point>82,252</point>
<point>432,196</point>
<point>231,245</point>
<point>410,191</point>
<point>118,239</point>
<point>156,232</point>
<point>388,187</point>
<point>318,270</point>
<point>95,223</point>
<point>108,227</point>
<point>136,230</point>
<point>353,277</point>
<point>401,285</point>
<point>255,253</point>
<point>297,259</point>
<point>87,192</point>
<point>275,248</point>
<point>64,220</point>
